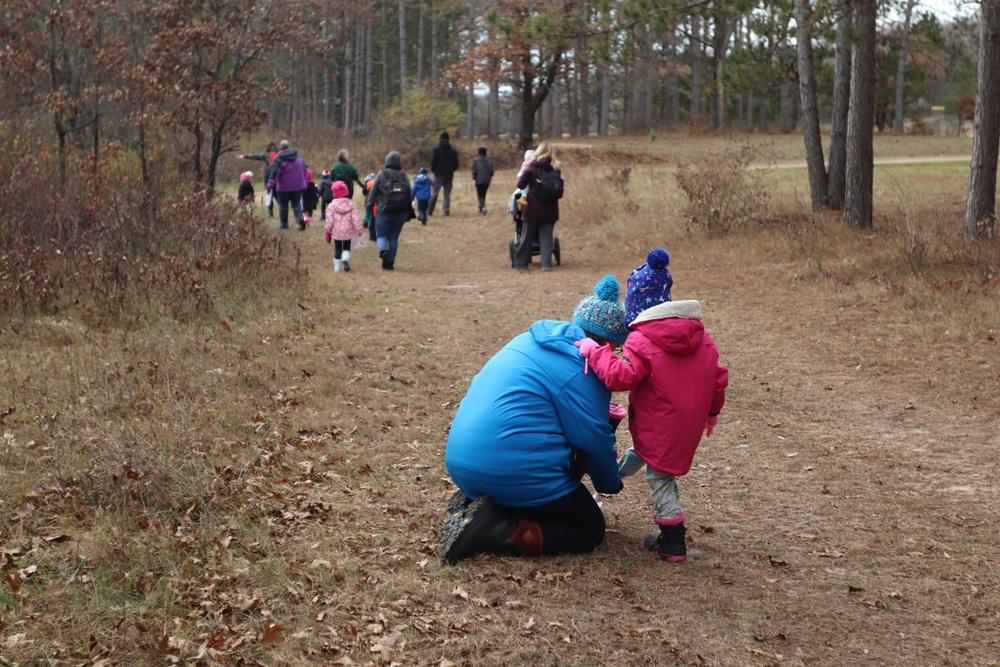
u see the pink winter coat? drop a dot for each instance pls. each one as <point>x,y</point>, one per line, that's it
<point>342,220</point>
<point>672,369</point>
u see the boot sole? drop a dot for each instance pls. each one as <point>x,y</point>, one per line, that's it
<point>459,525</point>
<point>458,503</point>
<point>670,558</point>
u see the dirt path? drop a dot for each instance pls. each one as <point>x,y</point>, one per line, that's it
<point>841,515</point>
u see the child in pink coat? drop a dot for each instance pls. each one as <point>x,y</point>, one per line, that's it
<point>343,222</point>
<point>677,389</point>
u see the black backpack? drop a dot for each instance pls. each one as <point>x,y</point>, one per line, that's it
<point>549,186</point>
<point>326,191</point>
<point>397,193</point>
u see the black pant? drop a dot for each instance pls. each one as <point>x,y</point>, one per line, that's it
<point>340,246</point>
<point>481,193</point>
<point>571,524</point>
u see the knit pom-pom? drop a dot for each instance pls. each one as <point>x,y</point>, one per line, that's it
<point>607,289</point>
<point>658,259</point>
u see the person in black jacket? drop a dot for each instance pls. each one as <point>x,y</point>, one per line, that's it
<point>444,164</point>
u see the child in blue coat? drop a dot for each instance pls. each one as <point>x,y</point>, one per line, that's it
<point>422,192</point>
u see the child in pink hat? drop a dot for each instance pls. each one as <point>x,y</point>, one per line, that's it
<point>244,195</point>
<point>343,222</point>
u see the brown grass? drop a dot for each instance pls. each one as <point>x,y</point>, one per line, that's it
<point>269,491</point>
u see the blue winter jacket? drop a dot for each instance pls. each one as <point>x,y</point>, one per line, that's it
<point>422,186</point>
<point>525,411</point>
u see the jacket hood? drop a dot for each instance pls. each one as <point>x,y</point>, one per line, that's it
<point>343,205</point>
<point>688,309</point>
<point>557,336</point>
<point>675,335</point>
<point>445,143</point>
<point>393,161</point>
<point>545,162</point>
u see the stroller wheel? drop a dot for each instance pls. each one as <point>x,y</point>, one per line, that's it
<point>555,250</point>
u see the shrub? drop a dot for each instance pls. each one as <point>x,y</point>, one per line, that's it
<point>724,191</point>
<point>414,122</point>
<point>110,248</point>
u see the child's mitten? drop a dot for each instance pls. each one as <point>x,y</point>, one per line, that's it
<point>616,413</point>
<point>329,237</point>
<point>586,345</point>
<point>710,425</point>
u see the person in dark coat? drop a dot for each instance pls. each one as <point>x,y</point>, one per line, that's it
<point>267,157</point>
<point>444,164</point>
<point>482,174</point>
<point>387,221</point>
<point>539,215</point>
<point>310,197</point>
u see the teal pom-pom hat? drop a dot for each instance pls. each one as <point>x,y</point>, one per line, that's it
<point>602,314</point>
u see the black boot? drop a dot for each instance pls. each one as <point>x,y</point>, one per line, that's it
<point>386,264</point>
<point>481,528</point>
<point>669,544</point>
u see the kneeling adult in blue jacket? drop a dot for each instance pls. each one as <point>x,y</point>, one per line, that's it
<point>531,425</point>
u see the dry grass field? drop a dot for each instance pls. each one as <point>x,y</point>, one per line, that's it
<point>266,488</point>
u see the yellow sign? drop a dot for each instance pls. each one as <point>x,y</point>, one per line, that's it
<point>935,108</point>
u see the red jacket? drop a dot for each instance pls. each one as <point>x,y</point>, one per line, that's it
<point>671,367</point>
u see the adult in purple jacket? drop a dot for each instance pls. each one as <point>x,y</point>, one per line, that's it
<point>288,183</point>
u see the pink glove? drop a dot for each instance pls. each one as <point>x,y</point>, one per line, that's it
<point>616,411</point>
<point>710,425</point>
<point>329,237</point>
<point>586,345</point>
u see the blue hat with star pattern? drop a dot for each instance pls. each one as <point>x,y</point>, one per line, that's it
<point>649,285</point>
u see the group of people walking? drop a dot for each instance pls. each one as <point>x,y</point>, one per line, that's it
<point>389,194</point>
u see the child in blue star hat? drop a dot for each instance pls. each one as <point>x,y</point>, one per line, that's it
<point>648,285</point>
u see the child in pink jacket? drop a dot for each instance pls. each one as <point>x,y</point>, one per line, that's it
<point>343,222</point>
<point>677,389</point>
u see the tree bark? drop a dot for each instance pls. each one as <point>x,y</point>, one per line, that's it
<point>695,48</point>
<point>904,47</point>
<point>723,30</point>
<point>837,173</point>
<point>421,43</point>
<point>403,46</point>
<point>470,114</point>
<point>860,120</point>
<point>810,113</point>
<point>980,207</point>
<point>369,78</point>
<point>604,124</point>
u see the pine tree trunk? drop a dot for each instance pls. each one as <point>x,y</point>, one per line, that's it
<point>369,79</point>
<point>673,82</point>
<point>584,94</point>
<point>494,110</point>
<point>433,69</point>
<point>904,48</point>
<point>695,49</point>
<point>810,112</point>
<point>557,115</point>
<point>403,46</point>
<point>837,173</point>
<point>605,121</point>
<point>860,120</point>
<point>385,97</point>
<point>421,43</point>
<point>980,207</point>
<point>470,114</point>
